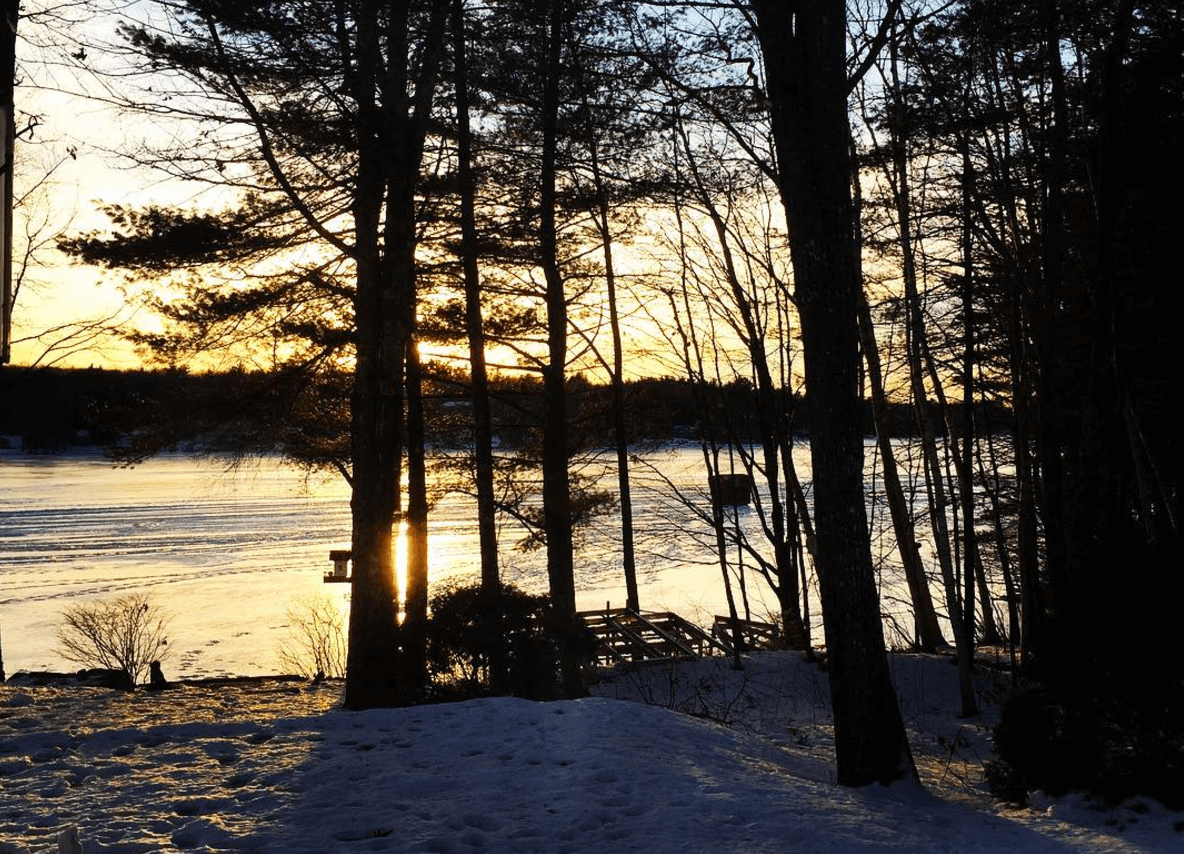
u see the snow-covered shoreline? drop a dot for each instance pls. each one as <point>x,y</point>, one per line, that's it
<point>720,761</point>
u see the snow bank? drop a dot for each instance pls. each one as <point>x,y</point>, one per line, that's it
<point>271,767</point>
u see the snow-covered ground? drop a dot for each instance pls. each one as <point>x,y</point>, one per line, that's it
<point>715,760</point>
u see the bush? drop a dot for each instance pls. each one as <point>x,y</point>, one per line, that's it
<point>315,644</point>
<point>1106,716</point>
<point>467,625</point>
<point>125,634</point>
<point>1034,746</point>
<point>1100,745</point>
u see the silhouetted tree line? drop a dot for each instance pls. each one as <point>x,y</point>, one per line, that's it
<point>138,412</point>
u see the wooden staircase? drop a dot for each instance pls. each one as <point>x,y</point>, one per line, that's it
<point>626,636</point>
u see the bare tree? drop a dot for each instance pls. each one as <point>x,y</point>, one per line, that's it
<point>11,12</point>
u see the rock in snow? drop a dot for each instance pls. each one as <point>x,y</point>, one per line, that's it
<point>68,841</point>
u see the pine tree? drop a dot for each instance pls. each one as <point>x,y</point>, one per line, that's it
<point>317,114</point>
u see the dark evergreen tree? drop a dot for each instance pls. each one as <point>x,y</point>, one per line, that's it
<point>319,121</point>
<point>1055,120</point>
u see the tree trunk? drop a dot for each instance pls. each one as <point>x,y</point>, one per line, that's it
<point>771,423</point>
<point>990,476</point>
<point>12,13</point>
<point>390,137</point>
<point>917,360</point>
<point>1059,537</point>
<point>710,449</point>
<point>1033,616</point>
<point>371,669</point>
<point>376,413</point>
<point>413,666</point>
<point>802,532</point>
<point>616,378</point>
<point>474,328</point>
<point>929,637</point>
<point>969,434</point>
<point>928,630</point>
<point>557,521</point>
<point>803,46</point>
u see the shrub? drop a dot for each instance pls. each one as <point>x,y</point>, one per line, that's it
<point>1034,746</point>
<point>1101,745</point>
<point>1106,716</point>
<point>465,628</point>
<point>125,634</point>
<point>315,644</point>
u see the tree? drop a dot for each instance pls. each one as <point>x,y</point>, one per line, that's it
<point>611,136</point>
<point>923,380</point>
<point>554,127</point>
<point>733,314</point>
<point>474,321</point>
<point>556,488</point>
<point>727,254</point>
<point>925,617</point>
<point>1024,116</point>
<point>803,44</point>
<point>394,100</point>
<point>318,121</point>
<point>11,12</point>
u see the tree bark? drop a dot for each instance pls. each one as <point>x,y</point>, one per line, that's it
<point>556,485</point>
<point>803,44</point>
<point>390,137</point>
<point>929,637</point>
<point>475,331</point>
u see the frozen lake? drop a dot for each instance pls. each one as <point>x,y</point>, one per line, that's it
<point>227,551</point>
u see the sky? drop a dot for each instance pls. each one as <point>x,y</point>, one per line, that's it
<point>81,144</point>
<point>68,166</point>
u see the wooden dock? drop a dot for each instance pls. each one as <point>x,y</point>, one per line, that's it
<point>626,636</point>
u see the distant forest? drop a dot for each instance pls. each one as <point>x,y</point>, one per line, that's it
<point>49,409</point>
